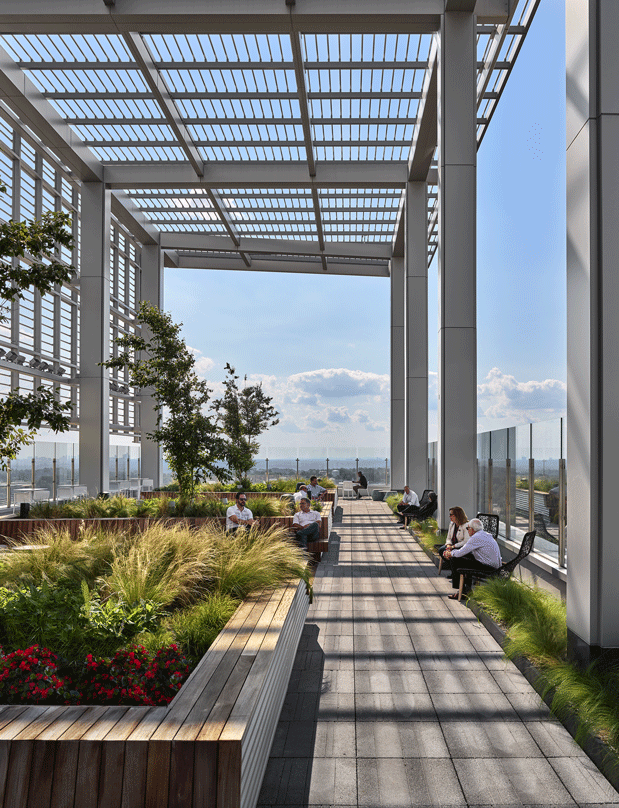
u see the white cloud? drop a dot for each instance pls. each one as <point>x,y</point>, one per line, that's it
<point>203,363</point>
<point>502,396</point>
<point>339,383</point>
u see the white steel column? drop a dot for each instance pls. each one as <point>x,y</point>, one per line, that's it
<point>151,290</point>
<point>94,337</point>
<point>592,325</point>
<point>416,335</point>
<point>457,342</point>
<point>398,370</point>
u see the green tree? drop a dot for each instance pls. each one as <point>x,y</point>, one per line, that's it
<point>23,414</point>
<point>161,360</point>
<point>243,415</point>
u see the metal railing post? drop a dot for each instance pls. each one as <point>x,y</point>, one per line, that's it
<point>54,481</point>
<point>32,473</point>
<point>386,470</point>
<point>267,465</point>
<point>562,514</point>
<point>490,498</point>
<point>508,498</point>
<point>8,484</point>
<point>297,468</point>
<point>357,465</point>
<point>531,493</point>
<point>327,468</point>
<point>73,471</point>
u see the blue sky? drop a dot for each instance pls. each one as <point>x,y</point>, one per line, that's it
<point>321,343</point>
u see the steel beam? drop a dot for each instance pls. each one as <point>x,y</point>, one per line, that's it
<point>361,174</point>
<point>233,16</point>
<point>274,264</point>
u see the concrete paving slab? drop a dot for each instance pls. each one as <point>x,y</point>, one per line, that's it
<point>400,697</point>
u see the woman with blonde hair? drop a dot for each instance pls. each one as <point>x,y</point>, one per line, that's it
<point>457,535</point>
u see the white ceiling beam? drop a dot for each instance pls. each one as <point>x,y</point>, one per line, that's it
<point>360,174</point>
<point>283,265</point>
<point>425,134</point>
<point>144,61</point>
<point>197,241</point>
<point>25,100</point>
<point>128,214</point>
<point>232,16</point>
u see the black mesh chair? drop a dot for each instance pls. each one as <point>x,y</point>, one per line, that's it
<point>505,570</point>
<point>427,507</point>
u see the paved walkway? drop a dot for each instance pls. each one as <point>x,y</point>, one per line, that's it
<point>399,697</point>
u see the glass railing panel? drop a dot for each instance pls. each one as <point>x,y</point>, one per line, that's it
<point>44,469</point>
<point>64,456</point>
<point>520,468</point>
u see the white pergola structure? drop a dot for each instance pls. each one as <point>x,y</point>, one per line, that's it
<point>317,137</point>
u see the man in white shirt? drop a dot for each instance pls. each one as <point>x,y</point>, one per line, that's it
<point>302,493</point>
<point>408,505</point>
<point>306,524</point>
<point>238,515</point>
<point>481,552</point>
<point>316,491</point>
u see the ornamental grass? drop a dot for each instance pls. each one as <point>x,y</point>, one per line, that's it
<point>99,595</point>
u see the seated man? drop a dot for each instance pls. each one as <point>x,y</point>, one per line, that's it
<point>301,494</point>
<point>408,505</point>
<point>306,524</point>
<point>316,491</point>
<point>481,552</point>
<point>361,483</point>
<point>238,515</point>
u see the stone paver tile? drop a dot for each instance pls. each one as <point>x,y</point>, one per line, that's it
<point>400,739</point>
<point>381,681</point>
<point>285,782</point>
<point>305,681</point>
<point>336,707</point>
<point>474,707</point>
<point>584,781</point>
<point>461,682</point>
<point>511,781</point>
<point>335,739</point>
<point>492,739</point>
<point>435,627</point>
<point>553,739</point>
<point>392,661</point>
<point>394,707</point>
<point>337,681</point>
<point>395,783</point>
<point>299,739</point>
<point>512,681</point>
<point>383,644</point>
<point>530,707</point>
<point>333,781</point>
<point>299,706</point>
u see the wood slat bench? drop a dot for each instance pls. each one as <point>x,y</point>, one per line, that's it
<point>209,748</point>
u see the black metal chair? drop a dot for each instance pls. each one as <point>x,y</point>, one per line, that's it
<point>505,570</point>
<point>427,506</point>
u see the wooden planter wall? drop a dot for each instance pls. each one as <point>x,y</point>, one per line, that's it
<point>18,530</point>
<point>330,495</point>
<point>209,748</point>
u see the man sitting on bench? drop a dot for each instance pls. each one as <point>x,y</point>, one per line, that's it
<point>408,505</point>
<point>306,524</point>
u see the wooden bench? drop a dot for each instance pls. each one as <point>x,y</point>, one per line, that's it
<point>209,748</point>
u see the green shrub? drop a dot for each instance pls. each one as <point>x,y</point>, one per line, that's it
<point>195,628</point>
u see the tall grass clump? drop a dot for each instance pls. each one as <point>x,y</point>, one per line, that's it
<point>197,626</point>
<point>250,560</point>
<point>535,623</point>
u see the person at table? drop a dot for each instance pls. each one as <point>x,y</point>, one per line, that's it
<point>316,491</point>
<point>481,552</point>
<point>301,494</point>
<point>238,515</point>
<point>306,524</point>
<point>408,505</point>
<point>361,483</point>
<point>457,534</point>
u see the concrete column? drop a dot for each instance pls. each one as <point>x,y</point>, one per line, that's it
<point>592,325</point>
<point>398,375</point>
<point>151,290</point>
<point>94,337</point>
<point>416,334</point>
<point>457,341</point>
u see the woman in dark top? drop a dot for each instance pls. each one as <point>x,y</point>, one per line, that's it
<point>361,483</point>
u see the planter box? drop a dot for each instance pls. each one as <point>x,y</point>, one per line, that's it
<point>209,748</point>
<point>19,530</point>
<point>330,495</point>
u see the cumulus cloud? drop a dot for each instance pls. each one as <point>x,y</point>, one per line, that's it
<point>503,396</point>
<point>203,363</point>
<point>339,383</point>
